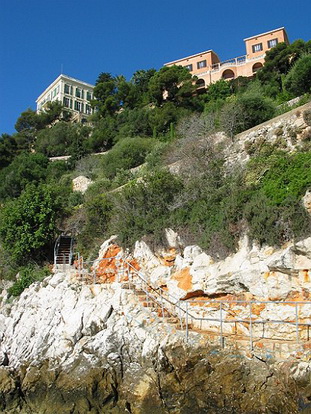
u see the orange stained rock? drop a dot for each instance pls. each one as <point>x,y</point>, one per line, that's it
<point>168,259</point>
<point>107,269</point>
<point>112,251</point>
<point>297,296</point>
<point>258,308</point>
<point>184,279</point>
<point>305,275</point>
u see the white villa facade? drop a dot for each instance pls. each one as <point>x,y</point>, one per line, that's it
<point>74,94</point>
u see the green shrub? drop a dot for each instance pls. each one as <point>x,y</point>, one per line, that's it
<point>307,116</point>
<point>289,176</point>
<point>298,80</point>
<point>27,276</point>
<point>25,169</point>
<point>28,224</point>
<point>143,208</point>
<point>255,109</point>
<point>127,153</point>
<point>96,215</point>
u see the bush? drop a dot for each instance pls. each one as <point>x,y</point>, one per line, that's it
<point>307,116</point>
<point>298,80</point>
<point>127,153</point>
<point>255,109</point>
<point>96,212</point>
<point>25,169</point>
<point>27,276</point>
<point>28,224</point>
<point>143,208</point>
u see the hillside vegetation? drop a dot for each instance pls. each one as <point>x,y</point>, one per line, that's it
<point>207,202</point>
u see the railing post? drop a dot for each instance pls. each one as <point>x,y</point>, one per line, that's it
<point>179,315</point>
<point>79,267</point>
<point>162,305</point>
<point>250,327</point>
<point>221,328</point>
<point>82,268</point>
<point>297,324</point>
<point>187,327</point>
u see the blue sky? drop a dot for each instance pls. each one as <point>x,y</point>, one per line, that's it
<point>86,37</point>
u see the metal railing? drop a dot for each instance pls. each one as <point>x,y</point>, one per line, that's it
<point>65,259</point>
<point>220,320</point>
<point>56,247</point>
<point>71,251</point>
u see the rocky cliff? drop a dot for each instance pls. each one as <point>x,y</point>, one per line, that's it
<point>72,347</point>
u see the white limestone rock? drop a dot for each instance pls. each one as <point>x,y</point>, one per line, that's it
<point>160,275</point>
<point>144,255</point>
<point>81,184</point>
<point>172,238</point>
<point>307,201</point>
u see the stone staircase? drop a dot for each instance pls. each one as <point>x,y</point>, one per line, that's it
<point>156,306</point>
<point>63,251</point>
<point>262,348</point>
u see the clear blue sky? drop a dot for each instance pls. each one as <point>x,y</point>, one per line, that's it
<point>87,37</point>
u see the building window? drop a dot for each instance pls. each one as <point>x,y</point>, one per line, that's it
<point>88,109</point>
<point>201,64</point>
<point>189,67</point>
<point>79,93</point>
<point>257,48</point>
<point>272,43</point>
<point>68,89</point>
<point>67,102</point>
<point>78,106</point>
<point>88,95</point>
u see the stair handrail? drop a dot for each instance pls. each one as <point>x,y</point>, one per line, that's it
<point>185,310</point>
<point>56,247</point>
<point>187,314</point>
<point>71,251</point>
<point>162,293</point>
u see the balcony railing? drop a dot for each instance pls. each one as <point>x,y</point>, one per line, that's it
<point>238,61</point>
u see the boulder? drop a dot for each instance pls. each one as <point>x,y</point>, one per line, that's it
<point>81,184</point>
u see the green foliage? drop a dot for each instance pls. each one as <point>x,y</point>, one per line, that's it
<point>307,116</point>
<point>28,224</point>
<point>135,122</point>
<point>173,84</point>
<point>25,169</point>
<point>219,90</point>
<point>298,80</point>
<point>287,178</point>
<point>274,212</point>
<point>127,153</point>
<point>278,62</point>
<point>97,212</point>
<point>28,120</point>
<point>143,208</point>
<point>160,119</point>
<point>207,204</point>
<point>255,109</point>
<point>8,150</point>
<point>63,139</point>
<point>27,276</point>
<point>103,135</point>
<point>55,170</point>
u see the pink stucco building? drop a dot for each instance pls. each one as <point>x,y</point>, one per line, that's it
<point>208,67</point>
